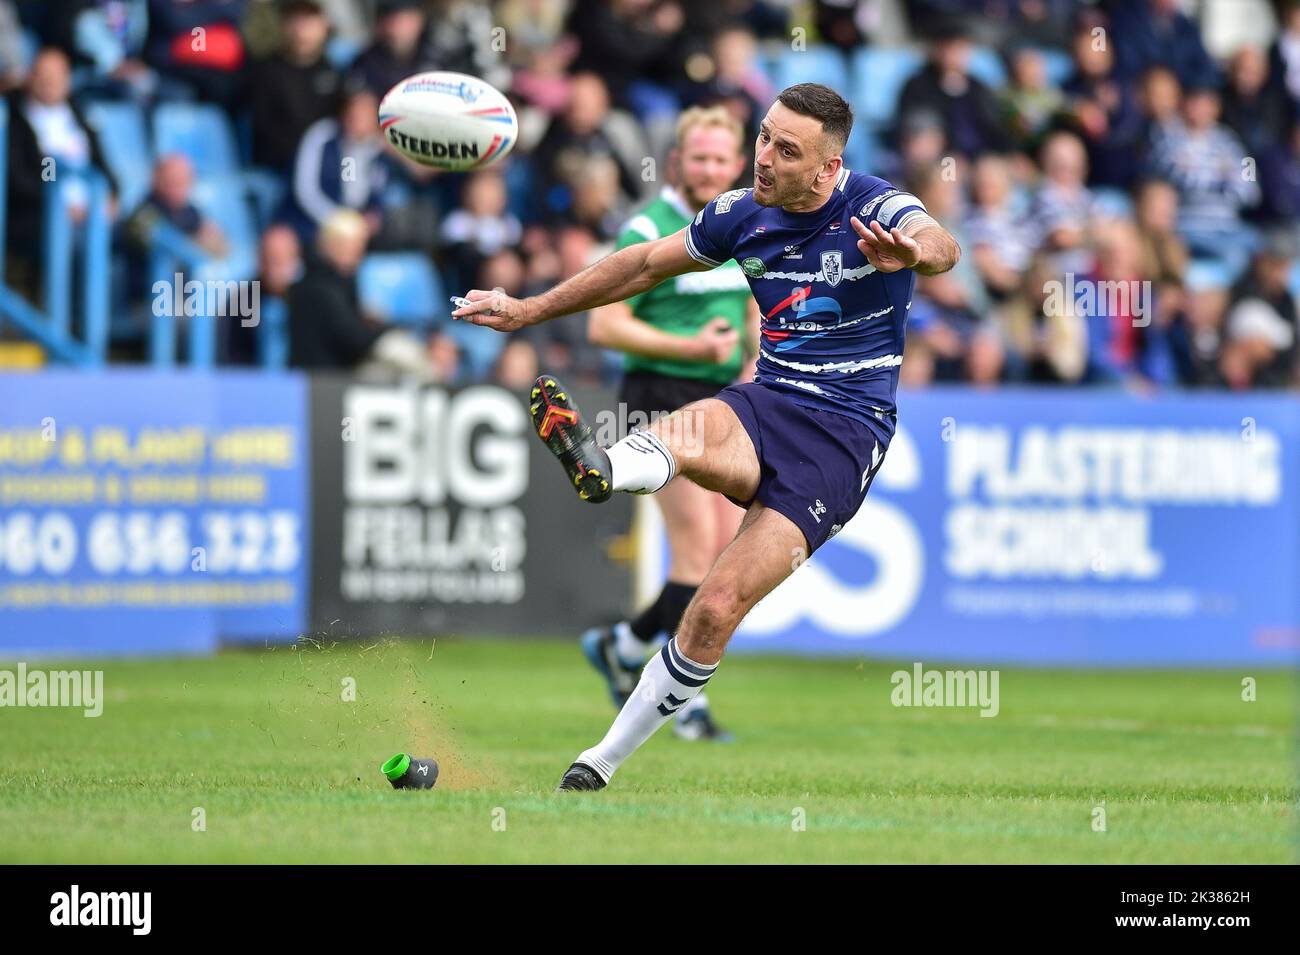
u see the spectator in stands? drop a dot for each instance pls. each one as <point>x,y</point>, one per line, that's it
<point>587,128</point>
<point>307,88</point>
<point>1001,241</point>
<point>1203,160</point>
<point>1198,339</point>
<point>1150,32</point>
<point>326,327</point>
<point>1262,324</point>
<point>922,145</point>
<point>198,44</point>
<point>1125,342</point>
<point>279,267</point>
<point>1279,179</point>
<point>623,40</point>
<point>463,36</point>
<point>542,82</point>
<point>341,164</point>
<point>1284,56</point>
<point>950,311</point>
<point>1046,335</point>
<point>398,50</point>
<point>169,201</point>
<point>1256,111</point>
<point>13,58</point>
<point>598,206</point>
<point>967,108</point>
<point>1029,102</point>
<point>517,366</point>
<point>736,81</point>
<point>1063,208</point>
<point>48,140</point>
<point>1104,111</point>
<point>561,344</point>
<point>481,347</point>
<point>106,42</point>
<point>479,229</point>
<point>1156,212</point>
<point>1160,100</point>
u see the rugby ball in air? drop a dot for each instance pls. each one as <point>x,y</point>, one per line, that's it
<point>449,121</point>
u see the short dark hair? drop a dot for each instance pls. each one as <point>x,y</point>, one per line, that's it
<point>821,103</point>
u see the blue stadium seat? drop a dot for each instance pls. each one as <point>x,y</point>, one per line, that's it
<point>402,287</point>
<point>121,130</point>
<point>817,64</point>
<point>479,348</point>
<point>340,52</point>
<point>862,149</point>
<point>986,66</point>
<point>878,76</point>
<point>1058,64</point>
<point>199,130</point>
<point>1203,274</point>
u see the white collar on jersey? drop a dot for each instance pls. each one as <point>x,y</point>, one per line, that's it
<point>842,178</point>
<point>674,198</point>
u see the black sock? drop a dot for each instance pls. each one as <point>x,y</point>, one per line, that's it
<point>675,597</point>
<point>647,624</point>
<point>665,614</point>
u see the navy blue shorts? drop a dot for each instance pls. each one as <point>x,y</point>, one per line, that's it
<point>815,466</point>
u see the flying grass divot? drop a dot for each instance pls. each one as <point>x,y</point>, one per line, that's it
<point>405,772</point>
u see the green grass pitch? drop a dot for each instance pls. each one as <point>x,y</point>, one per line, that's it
<point>285,770</point>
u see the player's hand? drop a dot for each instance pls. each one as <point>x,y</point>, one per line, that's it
<point>887,251</point>
<point>496,310</point>
<point>715,342</point>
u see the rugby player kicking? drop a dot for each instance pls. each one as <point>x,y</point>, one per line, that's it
<point>829,255</point>
<point>682,342</point>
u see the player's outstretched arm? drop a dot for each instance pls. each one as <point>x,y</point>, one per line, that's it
<point>625,273</point>
<point>921,245</point>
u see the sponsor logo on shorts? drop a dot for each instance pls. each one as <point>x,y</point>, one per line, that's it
<point>817,509</point>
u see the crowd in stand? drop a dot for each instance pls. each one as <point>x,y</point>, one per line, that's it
<point>1115,156</point>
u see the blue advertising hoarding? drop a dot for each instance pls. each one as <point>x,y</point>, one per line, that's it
<point>146,512</point>
<point>1063,527</point>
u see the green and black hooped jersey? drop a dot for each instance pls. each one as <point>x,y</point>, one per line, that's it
<point>686,303</point>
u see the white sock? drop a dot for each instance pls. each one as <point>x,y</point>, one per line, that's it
<point>668,682</point>
<point>626,645</point>
<point>640,463</point>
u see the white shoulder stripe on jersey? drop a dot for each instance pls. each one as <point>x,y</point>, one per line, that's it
<point>842,179</point>
<point>696,254</point>
<point>643,226</point>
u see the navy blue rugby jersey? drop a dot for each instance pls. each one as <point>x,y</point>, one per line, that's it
<point>832,330</point>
